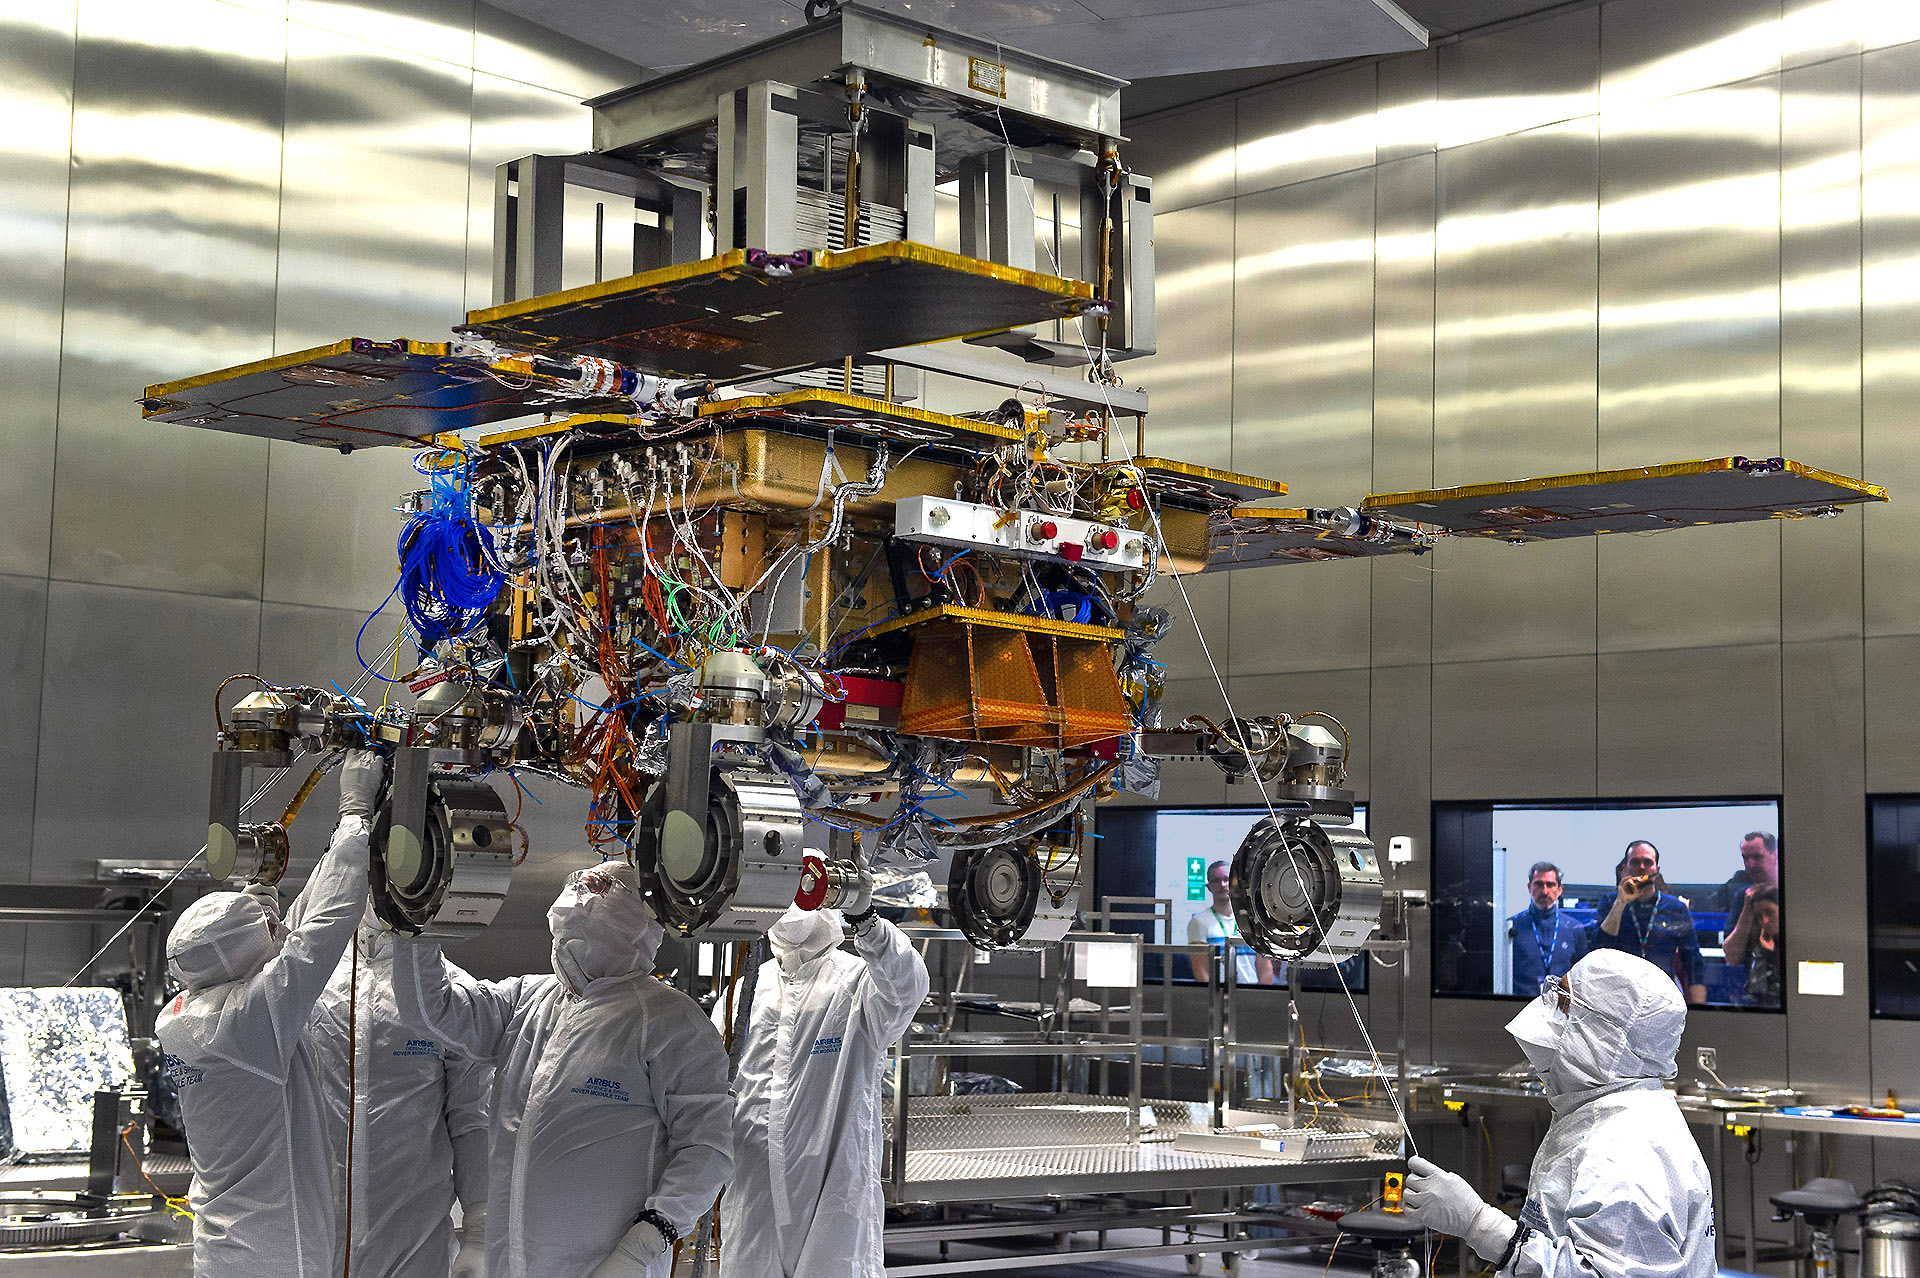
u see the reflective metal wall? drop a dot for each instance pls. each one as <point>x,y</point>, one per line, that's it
<point>1631,232</point>
<point>191,185</point>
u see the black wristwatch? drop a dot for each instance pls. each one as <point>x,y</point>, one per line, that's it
<point>659,1222</point>
<point>1520,1232</point>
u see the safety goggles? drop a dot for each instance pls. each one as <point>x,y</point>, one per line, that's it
<point>1560,1000</point>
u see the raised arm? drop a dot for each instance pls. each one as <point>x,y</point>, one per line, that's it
<point>895,982</point>
<point>467,1110</point>
<point>469,1016</point>
<point>280,997</point>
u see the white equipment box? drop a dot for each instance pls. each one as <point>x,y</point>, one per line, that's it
<point>965,525</point>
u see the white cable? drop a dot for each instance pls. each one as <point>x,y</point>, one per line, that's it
<point>1175,576</point>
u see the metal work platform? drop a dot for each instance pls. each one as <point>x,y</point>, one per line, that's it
<point>1058,1144</point>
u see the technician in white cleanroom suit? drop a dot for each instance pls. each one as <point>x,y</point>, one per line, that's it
<point>1618,1189</point>
<point>237,1051</point>
<point>419,1125</point>
<point>610,1105</point>
<point>805,1198</point>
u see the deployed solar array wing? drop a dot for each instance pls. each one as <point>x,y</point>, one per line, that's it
<point>1185,483</point>
<point>1260,537</point>
<point>746,315</point>
<point>1722,490</point>
<point>359,393</point>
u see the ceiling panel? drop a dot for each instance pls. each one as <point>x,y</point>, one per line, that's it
<point>1131,38</point>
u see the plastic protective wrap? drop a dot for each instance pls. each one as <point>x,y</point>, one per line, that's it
<point>57,1047</point>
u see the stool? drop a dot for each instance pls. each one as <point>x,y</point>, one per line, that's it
<point>1391,1235</point>
<point>1822,1202</point>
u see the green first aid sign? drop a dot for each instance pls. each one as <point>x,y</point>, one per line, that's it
<point>1196,878</point>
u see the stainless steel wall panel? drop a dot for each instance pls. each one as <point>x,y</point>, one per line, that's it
<point>1820,337</point>
<point>1514,330</point>
<point>1512,80</point>
<point>36,91</point>
<point>1890,330</point>
<point>1514,729</point>
<point>1190,378</point>
<point>23,627</point>
<point>438,29</point>
<point>1407,113</point>
<point>1493,601</point>
<point>1884,25</point>
<point>1893,714</point>
<point>1690,351</point>
<point>1513,378</point>
<point>511,119</point>
<point>1822,816</point>
<point>1303,404</point>
<point>373,242</point>
<point>1403,315</point>
<point>1403,281</point>
<point>1188,154</point>
<point>126,718</point>
<point>507,45</point>
<point>170,271</point>
<point>1305,129</point>
<point>1818,30</point>
<point>1347,695</point>
<point>1192,598</point>
<point>1690,275</point>
<point>1716,708</point>
<point>1650,49</point>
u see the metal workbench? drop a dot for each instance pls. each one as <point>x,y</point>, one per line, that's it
<point>1045,1145</point>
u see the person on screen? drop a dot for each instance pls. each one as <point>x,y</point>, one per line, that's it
<point>1217,927</point>
<point>1544,942</point>
<point>1641,919</point>
<point>1760,947</point>
<point>1759,871</point>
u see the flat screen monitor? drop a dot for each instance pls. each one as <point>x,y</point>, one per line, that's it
<point>1183,855</point>
<point>1522,891</point>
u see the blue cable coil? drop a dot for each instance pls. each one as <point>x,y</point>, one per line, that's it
<point>446,581</point>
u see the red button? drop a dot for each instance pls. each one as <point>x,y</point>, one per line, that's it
<point>1134,499</point>
<point>1106,539</point>
<point>1043,530</point>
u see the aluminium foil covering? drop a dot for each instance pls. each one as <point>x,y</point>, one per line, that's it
<point>57,1047</point>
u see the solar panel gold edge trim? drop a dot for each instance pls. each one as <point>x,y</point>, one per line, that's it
<point>735,258</point>
<point>275,362</point>
<point>1434,496</point>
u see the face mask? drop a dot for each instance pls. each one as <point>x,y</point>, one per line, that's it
<point>800,936</point>
<point>601,927</point>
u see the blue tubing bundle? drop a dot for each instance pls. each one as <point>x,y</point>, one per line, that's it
<point>446,582</point>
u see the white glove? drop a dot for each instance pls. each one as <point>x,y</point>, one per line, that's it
<point>268,895</point>
<point>471,1262</point>
<point>360,775</point>
<point>1442,1201</point>
<point>862,899</point>
<point>639,1247</point>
